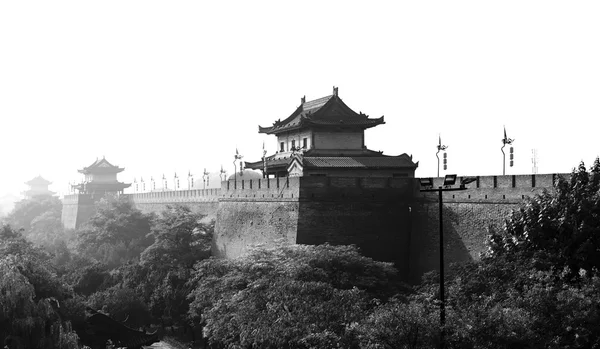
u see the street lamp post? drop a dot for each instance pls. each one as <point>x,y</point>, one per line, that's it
<point>440,147</point>
<point>264,159</point>
<point>449,181</point>
<point>505,141</point>
<point>205,178</point>
<point>223,174</point>
<point>237,156</point>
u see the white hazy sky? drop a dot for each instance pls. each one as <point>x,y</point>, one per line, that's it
<point>164,87</point>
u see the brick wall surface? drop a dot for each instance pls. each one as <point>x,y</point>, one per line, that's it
<point>243,222</point>
<point>78,209</point>
<point>468,215</point>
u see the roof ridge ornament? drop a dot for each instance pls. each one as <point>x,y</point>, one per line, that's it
<point>303,99</point>
<point>335,91</point>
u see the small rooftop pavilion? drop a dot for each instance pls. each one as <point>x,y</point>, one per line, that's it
<point>325,137</point>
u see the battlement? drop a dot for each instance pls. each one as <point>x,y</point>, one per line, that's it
<point>80,199</point>
<point>262,188</point>
<point>176,196</point>
<point>509,189</point>
<point>317,187</point>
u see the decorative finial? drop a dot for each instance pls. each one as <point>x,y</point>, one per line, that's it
<point>335,91</point>
<point>303,99</point>
<point>506,140</point>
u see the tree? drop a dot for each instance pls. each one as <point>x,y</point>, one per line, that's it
<point>291,296</point>
<point>560,229</point>
<point>181,239</point>
<point>30,296</point>
<point>399,324</point>
<point>117,233</point>
<point>26,211</point>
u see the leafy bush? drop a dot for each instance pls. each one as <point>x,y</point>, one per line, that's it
<point>292,296</point>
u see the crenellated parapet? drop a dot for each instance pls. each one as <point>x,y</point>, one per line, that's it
<point>176,196</point>
<point>508,189</point>
<point>261,189</point>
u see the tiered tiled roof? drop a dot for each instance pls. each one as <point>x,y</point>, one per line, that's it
<point>101,166</point>
<point>38,181</point>
<point>377,161</point>
<point>381,162</point>
<point>326,112</point>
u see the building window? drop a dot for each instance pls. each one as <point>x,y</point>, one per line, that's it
<point>293,145</point>
<point>281,146</point>
<point>304,143</point>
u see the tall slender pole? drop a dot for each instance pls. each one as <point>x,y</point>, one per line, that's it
<point>438,161</point>
<point>505,141</point>
<point>441,189</point>
<point>440,147</point>
<point>503,160</point>
<point>234,175</point>
<point>442,300</point>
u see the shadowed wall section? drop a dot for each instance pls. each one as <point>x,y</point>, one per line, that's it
<point>78,209</point>
<point>468,216</point>
<point>371,213</point>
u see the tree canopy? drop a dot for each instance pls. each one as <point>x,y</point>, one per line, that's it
<point>117,233</point>
<point>287,296</point>
<point>30,295</point>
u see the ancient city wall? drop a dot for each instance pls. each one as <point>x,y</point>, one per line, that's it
<point>252,212</point>
<point>388,218</point>
<point>77,209</point>
<point>204,201</point>
<point>468,215</point>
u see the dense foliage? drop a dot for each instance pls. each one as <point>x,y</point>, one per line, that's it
<point>561,228</point>
<point>39,219</point>
<point>30,296</point>
<point>116,234</point>
<point>288,296</point>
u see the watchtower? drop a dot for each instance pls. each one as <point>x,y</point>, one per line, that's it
<point>38,186</point>
<point>100,180</point>
<point>325,137</point>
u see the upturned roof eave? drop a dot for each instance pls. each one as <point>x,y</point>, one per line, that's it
<point>87,170</point>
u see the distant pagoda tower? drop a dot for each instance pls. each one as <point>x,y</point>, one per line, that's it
<point>324,137</point>
<point>100,179</point>
<point>38,186</point>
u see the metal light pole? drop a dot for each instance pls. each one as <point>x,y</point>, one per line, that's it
<point>505,141</point>
<point>205,178</point>
<point>449,180</point>
<point>236,157</point>
<point>264,158</point>
<point>440,147</point>
<point>223,174</point>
